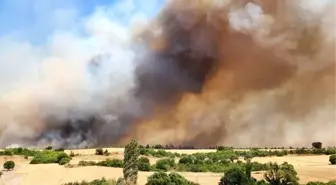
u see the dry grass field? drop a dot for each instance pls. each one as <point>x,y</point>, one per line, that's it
<point>309,168</point>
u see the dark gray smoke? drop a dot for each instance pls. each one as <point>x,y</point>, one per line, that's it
<point>200,73</point>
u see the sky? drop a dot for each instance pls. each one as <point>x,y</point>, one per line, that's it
<point>35,33</point>
<point>35,20</point>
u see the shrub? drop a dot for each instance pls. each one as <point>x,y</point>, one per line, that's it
<point>9,165</point>
<point>144,164</point>
<point>72,154</point>
<point>61,156</point>
<point>48,148</point>
<point>87,163</point>
<point>284,173</point>
<point>186,160</point>
<point>106,153</point>
<point>8,152</point>
<point>332,159</point>
<point>102,181</point>
<point>64,161</point>
<point>99,151</point>
<point>234,176</point>
<point>161,178</point>
<point>48,156</point>
<point>115,163</point>
<point>165,164</point>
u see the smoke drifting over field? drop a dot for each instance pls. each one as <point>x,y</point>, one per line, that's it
<point>203,72</point>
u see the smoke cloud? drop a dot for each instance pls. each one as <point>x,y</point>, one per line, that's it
<point>205,72</point>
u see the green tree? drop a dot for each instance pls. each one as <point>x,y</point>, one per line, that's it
<point>234,176</point>
<point>144,164</point>
<point>9,165</point>
<point>130,169</point>
<point>332,159</point>
<point>284,174</point>
<point>161,178</point>
<point>317,145</point>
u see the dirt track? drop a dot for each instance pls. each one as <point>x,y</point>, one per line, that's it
<point>309,168</point>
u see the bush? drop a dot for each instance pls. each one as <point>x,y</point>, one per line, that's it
<point>87,163</point>
<point>61,156</point>
<point>106,153</point>
<point>102,181</point>
<point>161,178</point>
<point>48,148</point>
<point>72,154</point>
<point>284,173</point>
<point>144,164</point>
<point>332,159</point>
<point>99,151</point>
<point>48,156</point>
<point>64,161</point>
<point>115,163</point>
<point>9,165</point>
<point>234,176</point>
<point>8,152</point>
<point>322,183</point>
<point>165,164</point>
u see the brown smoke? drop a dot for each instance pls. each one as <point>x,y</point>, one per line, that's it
<point>231,74</point>
<point>203,72</point>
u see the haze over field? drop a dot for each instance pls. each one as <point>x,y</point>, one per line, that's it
<point>203,72</point>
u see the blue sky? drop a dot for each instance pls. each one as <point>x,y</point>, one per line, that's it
<point>34,20</point>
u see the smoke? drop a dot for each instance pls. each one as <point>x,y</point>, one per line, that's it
<point>205,72</point>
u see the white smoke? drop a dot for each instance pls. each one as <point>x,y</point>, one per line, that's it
<point>60,75</point>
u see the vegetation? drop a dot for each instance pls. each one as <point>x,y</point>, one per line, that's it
<point>130,169</point>
<point>144,164</point>
<point>106,153</point>
<point>161,178</point>
<point>102,181</point>
<point>332,159</point>
<point>9,165</point>
<point>99,151</point>
<point>276,175</point>
<point>216,163</point>
<point>322,183</point>
<point>317,145</point>
<point>281,174</point>
<point>246,154</point>
<point>115,163</point>
<point>49,156</point>
<point>235,176</point>
<point>19,151</point>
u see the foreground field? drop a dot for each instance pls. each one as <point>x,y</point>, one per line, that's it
<point>309,168</point>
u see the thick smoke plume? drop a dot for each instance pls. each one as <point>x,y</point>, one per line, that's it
<point>203,72</point>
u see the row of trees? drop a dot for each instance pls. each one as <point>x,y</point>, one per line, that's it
<point>131,164</point>
<point>283,174</point>
<point>317,145</point>
<point>246,154</point>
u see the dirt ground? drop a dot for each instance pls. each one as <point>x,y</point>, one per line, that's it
<point>309,168</point>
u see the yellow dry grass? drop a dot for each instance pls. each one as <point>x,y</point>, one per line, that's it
<point>309,168</point>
